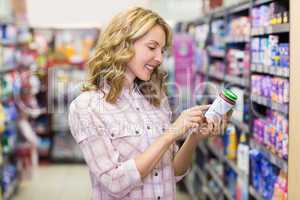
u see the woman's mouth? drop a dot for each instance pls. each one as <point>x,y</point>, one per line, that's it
<point>150,67</point>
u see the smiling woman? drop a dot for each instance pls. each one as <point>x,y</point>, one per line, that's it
<point>131,46</point>
<point>122,120</point>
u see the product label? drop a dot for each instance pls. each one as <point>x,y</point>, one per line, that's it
<point>218,108</point>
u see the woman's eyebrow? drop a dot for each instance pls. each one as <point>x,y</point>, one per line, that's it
<point>154,41</point>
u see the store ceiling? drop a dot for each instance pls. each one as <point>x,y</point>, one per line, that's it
<point>96,13</point>
<point>76,14</point>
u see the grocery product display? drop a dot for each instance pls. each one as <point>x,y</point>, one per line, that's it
<point>239,56</point>
<point>248,52</point>
<point>26,56</point>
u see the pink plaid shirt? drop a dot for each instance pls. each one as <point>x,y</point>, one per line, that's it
<point>110,136</point>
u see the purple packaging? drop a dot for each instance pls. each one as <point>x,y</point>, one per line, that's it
<point>264,15</point>
<point>255,129</point>
<point>284,54</point>
<point>266,134</point>
<point>286,91</point>
<point>255,17</point>
<point>281,88</point>
<point>274,95</point>
<point>269,86</point>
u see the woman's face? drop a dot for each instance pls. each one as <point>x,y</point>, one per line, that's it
<point>148,55</point>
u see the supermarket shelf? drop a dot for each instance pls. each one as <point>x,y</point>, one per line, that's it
<point>189,186</point>
<point>221,12</point>
<point>202,148</point>
<point>200,173</point>
<point>277,71</point>
<point>6,69</point>
<point>235,8</point>
<point>278,28</point>
<point>274,159</point>
<point>216,53</point>
<point>217,179</point>
<point>239,7</point>
<point>6,21</point>
<point>231,39</point>
<point>202,177</point>
<point>216,75</point>
<point>255,194</point>
<point>202,20</point>
<point>11,190</point>
<point>259,2</point>
<point>241,125</point>
<point>283,108</point>
<point>189,190</point>
<point>237,81</point>
<point>222,158</point>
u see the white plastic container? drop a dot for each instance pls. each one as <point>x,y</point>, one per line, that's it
<point>222,104</point>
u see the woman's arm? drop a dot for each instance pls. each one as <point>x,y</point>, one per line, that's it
<point>146,161</point>
<point>183,158</point>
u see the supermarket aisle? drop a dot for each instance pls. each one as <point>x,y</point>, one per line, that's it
<point>61,182</point>
<point>58,182</point>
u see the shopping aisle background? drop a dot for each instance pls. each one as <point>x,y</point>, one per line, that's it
<point>61,182</point>
<point>241,45</point>
<point>58,182</point>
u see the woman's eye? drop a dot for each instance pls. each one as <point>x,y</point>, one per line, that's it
<point>151,48</point>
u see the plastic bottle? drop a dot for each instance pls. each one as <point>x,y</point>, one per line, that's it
<point>243,165</point>
<point>222,104</point>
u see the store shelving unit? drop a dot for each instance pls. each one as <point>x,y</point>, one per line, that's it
<point>271,70</point>
<point>290,30</point>
<point>219,181</point>
<point>242,82</point>
<point>279,28</point>
<point>283,108</point>
<point>223,159</point>
<point>7,156</point>
<point>274,159</point>
<point>294,114</point>
<point>255,194</point>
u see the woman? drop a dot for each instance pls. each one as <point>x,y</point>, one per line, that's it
<point>122,119</point>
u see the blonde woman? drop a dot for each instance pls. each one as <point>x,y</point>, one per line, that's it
<point>122,119</point>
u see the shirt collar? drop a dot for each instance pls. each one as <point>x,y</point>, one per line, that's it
<point>125,91</point>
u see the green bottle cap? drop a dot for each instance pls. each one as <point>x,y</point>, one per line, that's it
<point>230,95</point>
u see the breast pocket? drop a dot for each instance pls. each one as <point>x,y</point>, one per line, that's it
<point>158,121</point>
<point>127,139</point>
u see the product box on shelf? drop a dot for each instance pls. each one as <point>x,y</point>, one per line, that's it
<point>269,181</point>
<point>273,88</point>
<point>273,133</point>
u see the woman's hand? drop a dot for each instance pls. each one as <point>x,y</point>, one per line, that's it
<point>190,118</point>
<point>212,127</point>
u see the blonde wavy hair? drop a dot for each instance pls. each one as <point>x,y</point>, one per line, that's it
<point>115,49</point>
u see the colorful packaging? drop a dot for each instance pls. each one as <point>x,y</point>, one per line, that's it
<point>242,192</point>
<point>230,142</point>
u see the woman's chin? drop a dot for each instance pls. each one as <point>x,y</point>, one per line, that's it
<point>145,78</point>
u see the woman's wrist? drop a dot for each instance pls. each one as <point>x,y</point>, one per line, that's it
<point>196,137</point>
<point>169,137</point>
